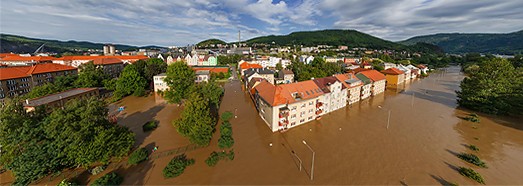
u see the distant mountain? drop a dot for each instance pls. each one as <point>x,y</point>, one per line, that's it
<point>21,44</point>
<point>210,42</point>
<point>510,43</point>
<point>351,38</point>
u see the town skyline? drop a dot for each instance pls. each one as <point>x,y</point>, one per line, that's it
<point>181,23</point>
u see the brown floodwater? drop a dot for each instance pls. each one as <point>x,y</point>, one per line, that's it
<point>352,145</point>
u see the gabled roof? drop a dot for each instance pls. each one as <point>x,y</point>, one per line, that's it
<point>364,79</point>
<point>212,69</point>
<point>27,58</point>
<point>107,61</point>
<point>374,75</point>
<point>288,93</point>
<point>358,70</point>
<point>422,66</point>
<point>249,65</point>
<point>392,71</point>
<point>285,71</point>
<point>251,71</point>
<point>323,83</point>
<point>348,80</point>
<point>19,72</point>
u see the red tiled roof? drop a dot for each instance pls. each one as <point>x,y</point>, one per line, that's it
<point>2,55</point>
<point>212,69</point>
<point>283,94</point>
<point>28,58</point>
<point>392,71</point>
<point>326,81</point>
<point>421,66</point>
<point>358,70</point>
<point>249,65</point>
<point>18,72</point>
<point>374,75</point>
<point>107,61</point>
<point>91,58</point>
<point>344,77</point>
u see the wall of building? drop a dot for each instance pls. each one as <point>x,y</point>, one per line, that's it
<point>378,87</point>
<point>354,95</point>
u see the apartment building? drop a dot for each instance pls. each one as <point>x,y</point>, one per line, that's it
<point>378,81</point>
<point>288,105</point>
<point>353,85</point>
<point>159,84</point>
<point>335,93</point>
<point>17,60</point>
<point>111,66</point>
<point>20,80</point>
<point>76,61</point>
<point>258,72</point>
<point>394,76</point>
<point>366,86</point>
<point>285,77</point>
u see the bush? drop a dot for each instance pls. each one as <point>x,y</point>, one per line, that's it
<point>473,147</point>
<point>225,142</point>
<point>98,170</point>
<point>176,166</point>
<point>471,158</point>
<point>214,157</point>
<point>469,173</point>
<point>149,126</point>
<point>473,117</point>
<point>108,179</point>
<point>137,156</point>
<point>66,182</point>
<point>226,116</point>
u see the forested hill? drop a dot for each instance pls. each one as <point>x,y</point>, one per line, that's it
<point>211,42</point>
<point>21,44</point>
<point>350,38</point>
<point>509,43</point>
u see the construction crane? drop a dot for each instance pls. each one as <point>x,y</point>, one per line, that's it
<point>39,49</point>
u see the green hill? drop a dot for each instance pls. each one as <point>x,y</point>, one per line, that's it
<point>20,44</point>
<point>210,42</point>
<point>351,38</point>
<point>510,43</point>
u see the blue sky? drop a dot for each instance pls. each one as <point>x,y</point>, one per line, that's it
<point>182,22</point>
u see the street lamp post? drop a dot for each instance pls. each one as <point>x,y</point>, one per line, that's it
<point>313,153</point>
<point>388,117</point>
<point>293,153</point>
<point>235,116</point>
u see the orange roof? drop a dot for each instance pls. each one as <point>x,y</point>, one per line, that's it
<point>344,77</point>
<point>212,69</point>
<point>19,72</point>
<point>107,61</point>
<point>392,71</point>
<point>286,93</point>
<point>2,55</point>
<point>374,75</point>
<point>358,70</point>
<point>91,58</point>
<point>249,65</point>
<point>27,58</point>
<point>421,66</point>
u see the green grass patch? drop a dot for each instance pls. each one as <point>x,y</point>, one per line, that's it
<point>149,126</point>
<point>137,156</point>
<point>108,179</point>
<point>470,173</point>
<point>176,166</point>
<point>471,158</point>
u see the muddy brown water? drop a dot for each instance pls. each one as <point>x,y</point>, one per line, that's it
<point>352,145</point>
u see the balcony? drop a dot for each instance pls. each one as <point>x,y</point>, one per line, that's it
<point>319,104</point>
<point>319,111</point>
<point>284,114</point>
<point>285,122</point>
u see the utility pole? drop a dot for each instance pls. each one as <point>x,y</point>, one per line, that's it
<point>239,38</point>
<point>313,153</point>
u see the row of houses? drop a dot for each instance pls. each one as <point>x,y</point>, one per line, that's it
<point>74,61</point>
<point>203,74</point>
<point>249,71</point>
<point>399,74</point>
<point>192,60</point>
<point>289,105</point>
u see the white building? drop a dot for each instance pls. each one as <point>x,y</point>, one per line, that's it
<point>159,84</point>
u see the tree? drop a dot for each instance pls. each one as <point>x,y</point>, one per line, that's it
<point>130,82</point>
<point>90,76</point>
<point>180,79</point>
<point>212,92</point>
<point>196,122</point>
<point>494,87</point>
<point>154,66</point>
<point>108,179</point>
<point>84,135</point>
<point>177,166</point>
<point>279,66</point>
<point>61,83</point>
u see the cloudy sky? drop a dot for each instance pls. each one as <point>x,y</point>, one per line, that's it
<point>182,22</point>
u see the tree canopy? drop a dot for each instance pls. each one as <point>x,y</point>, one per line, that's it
<point>130,82</point>
<point>495,87</point>
<point>36,144</point>
<point>180,78</point>
<point>196,122</point>
<point>317,69</point>
<point>90,76</point>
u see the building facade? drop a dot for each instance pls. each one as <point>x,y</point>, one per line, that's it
<point>20,80</point>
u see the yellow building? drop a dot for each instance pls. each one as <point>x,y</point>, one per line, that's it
<point>394,76</point>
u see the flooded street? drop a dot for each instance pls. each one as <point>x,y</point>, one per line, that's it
<point>352,145</point>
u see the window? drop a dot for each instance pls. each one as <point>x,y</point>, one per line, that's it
<point>302,120</point>
<point>293,116</point>
<point>310,103</point>
<point>310,117</point>
<point>303,105</point>
<point>310,111</point>
<point>293,123</point>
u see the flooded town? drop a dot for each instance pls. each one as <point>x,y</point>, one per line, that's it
<point>261,93</point>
